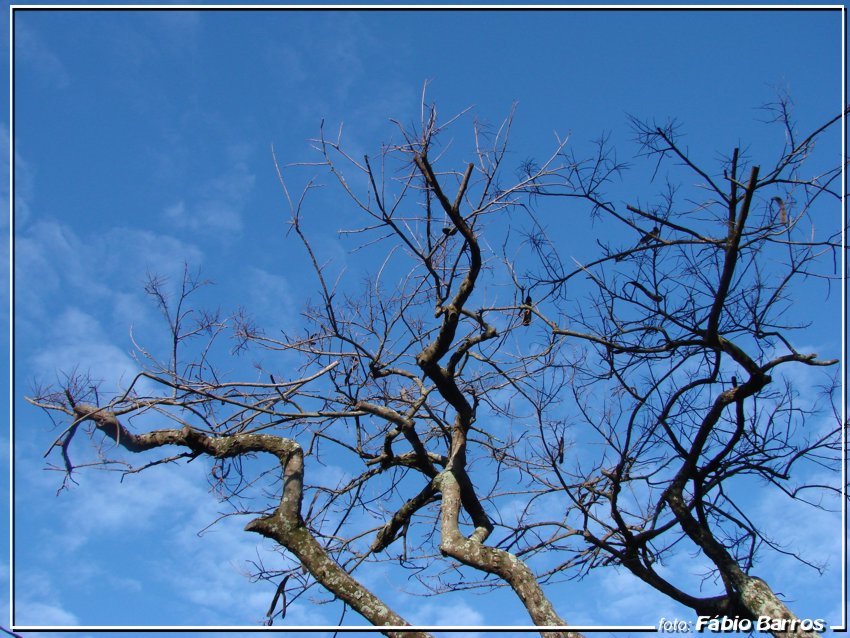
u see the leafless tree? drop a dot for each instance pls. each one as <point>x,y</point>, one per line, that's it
<point>688,335</point>
<point>468,367</point>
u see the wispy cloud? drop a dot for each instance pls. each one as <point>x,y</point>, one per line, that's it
<point>24,184</point>
<point>448,613</point>
<point>29,612</point>
<point>205,575</point>
<point>217,205</point>
<point>32,50</point>
<point>20,209</point>
<point>38,601</point>
<point>269,298</point>
<point>52,257</point>
<point>818,541</point>
<point>76,343</point>
<point>178,29</point>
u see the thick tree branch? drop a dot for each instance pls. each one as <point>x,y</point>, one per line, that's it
<point>285,524</point>
<point>492,560</point>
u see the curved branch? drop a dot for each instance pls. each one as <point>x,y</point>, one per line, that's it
<point>492,560</point>
<point>285,524</point>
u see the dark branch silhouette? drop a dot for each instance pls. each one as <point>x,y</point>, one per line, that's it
<point>417,376</point>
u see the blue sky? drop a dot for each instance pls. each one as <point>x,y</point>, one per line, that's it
<point>142,140</point>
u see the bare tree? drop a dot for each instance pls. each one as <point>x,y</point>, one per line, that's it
<point>688,335</point>
<point>473,368</point>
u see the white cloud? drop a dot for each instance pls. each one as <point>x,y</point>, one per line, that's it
<point>31,49</point>
<point>628,600</point>
<point>217,208</point>
<point>328,475</point>
<point>287,61</point>
<point>269,298</point>
<point>20,210</point>
<point>130,252</point>
<point>38,602</point>
<point>180,30</point>
<point>46,256</point>
<point>176,211</point>
<point>818,540</point>
<point>300,614</point>
<point>76,342</point>
<point>24,184</point>
<point>92,530</point>
<point>5,615</point>
<point>448,614</point>
<point>345,39</point>
<point>100,275</point>
<point>43,614</point>
<point>110,505</point>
